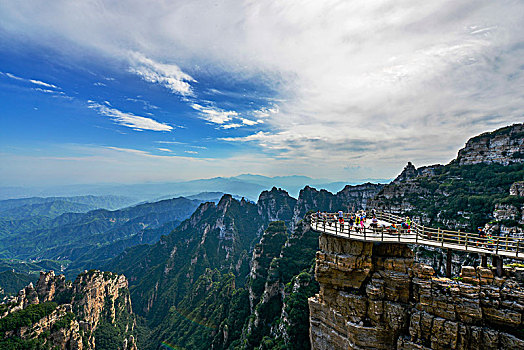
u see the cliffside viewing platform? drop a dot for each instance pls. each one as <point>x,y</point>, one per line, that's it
<point>391,228</point>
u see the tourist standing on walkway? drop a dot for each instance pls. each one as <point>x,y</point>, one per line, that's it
<point>351,221</point>
<point>374,222</point>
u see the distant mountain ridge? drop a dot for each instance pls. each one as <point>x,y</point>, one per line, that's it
<point>246,185</point>
<point>80,239</point>
<point>109,202</point>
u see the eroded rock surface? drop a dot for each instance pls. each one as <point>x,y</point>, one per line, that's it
<point>374,296</point>
<point>94,304</point>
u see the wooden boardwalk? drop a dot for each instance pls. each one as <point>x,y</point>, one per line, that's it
<point>512,247</point>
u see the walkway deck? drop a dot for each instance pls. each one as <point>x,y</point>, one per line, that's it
<point>506,246</point>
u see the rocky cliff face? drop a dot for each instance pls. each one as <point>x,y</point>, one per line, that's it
<point>78,315</point>
<point>263,254</point>
<point>358,196</point>
<point>509,214</point>
<point>276,205</point>
<point>351,197</point>
<point>503,146</point>
<point>410,172</point>
<point>374,296</point>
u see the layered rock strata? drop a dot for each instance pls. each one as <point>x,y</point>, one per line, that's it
<point>503,146</point>
<point>374,296</point>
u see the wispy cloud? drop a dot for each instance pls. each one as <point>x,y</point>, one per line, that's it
<point>231,126</point>
<point>38,82</point>
<point>165,150</point>
<point>224,118</point>
<point>32,81</point>
<point>213,114</point>
<point>129,119</point>
<point>145,104</point>
<point>172,142</point>
<point>250,122</point>
<point>167,75</point>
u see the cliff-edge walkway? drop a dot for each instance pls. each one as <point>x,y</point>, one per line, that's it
<point>389,230</point>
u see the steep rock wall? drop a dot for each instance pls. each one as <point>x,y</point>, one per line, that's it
<point>503,146</point>
<point>374,296</point>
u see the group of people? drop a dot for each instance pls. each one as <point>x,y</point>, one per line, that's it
<point>358,220</point>
<point>355,220</point>
<point>485,238</point>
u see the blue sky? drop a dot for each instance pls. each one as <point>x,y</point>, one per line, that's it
<point>101,91</point>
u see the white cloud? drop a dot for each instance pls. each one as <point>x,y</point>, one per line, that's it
<point>33,81</point>
<point>191,152</point>
<point>128,119</point>
<point>213,114</point>
<point>231,126</point>
<point>167,75</point>
<point>251,122</point>
<point>164,150</point>
<point>48,91</point>
<point>38,82</point>
<point>259,136</point>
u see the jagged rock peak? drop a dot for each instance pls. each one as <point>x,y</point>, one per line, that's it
<point>225,201</point>
<point>49,285</point>
<point>276,204</point>
<point>503,146</point>
<point>274,192</point>
<point>409,172</point>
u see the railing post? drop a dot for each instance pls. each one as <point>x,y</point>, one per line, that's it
<point>466,241</point>
<point>382,236</point>
<point>415,229</point>
<point>336,233</point>
<point>324,220</point>
<point>398,234</point>
<point>518,243</point>
<point>497,249</point>
<point>364,229</point>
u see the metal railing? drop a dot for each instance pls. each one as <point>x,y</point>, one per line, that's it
<point>390,229</point>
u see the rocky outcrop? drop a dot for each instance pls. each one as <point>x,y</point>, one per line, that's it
<point>276,205</point>
<point>349,198</point>
<point>95,299</point>
<point>517,189</point>
<point>410,172</point>
<point>509,214</point>
<point>374,296</point>
<point>358,196</point>
<point>263,254</point>
<point>503,146</point>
